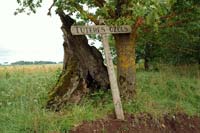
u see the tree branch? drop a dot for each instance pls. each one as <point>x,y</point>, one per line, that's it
<point>87,14</point>
<point>99,3</point>
<point>139,21</point>
<point>80,9</point>
<point>171,24</point>
<point>174,14</point>
<point>49,12</point>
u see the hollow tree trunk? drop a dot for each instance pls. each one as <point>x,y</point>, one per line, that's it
<point>126,68</point>
<point>83,69</point>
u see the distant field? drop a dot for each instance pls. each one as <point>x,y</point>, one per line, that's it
<point>24,91</point>
<point>30,68</point>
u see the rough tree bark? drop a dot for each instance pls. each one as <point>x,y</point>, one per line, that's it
<point>83,69</point>
<point>126,68</point>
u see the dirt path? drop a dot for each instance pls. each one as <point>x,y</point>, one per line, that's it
<point>143,123</point>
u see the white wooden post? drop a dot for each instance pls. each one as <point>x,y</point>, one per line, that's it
<point>113,81</point>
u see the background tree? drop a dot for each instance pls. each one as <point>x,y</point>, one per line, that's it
<point>176,41</point>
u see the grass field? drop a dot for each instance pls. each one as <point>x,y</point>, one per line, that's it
<point>24,91</point>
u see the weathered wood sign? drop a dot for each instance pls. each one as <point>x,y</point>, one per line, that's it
<point>104,31</point>
<point>100,29</point>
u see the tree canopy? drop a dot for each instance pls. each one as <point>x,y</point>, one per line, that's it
<point>177,40</point>
<point>113,11</point>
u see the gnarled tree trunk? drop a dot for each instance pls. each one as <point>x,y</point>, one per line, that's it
<point>83,69</point>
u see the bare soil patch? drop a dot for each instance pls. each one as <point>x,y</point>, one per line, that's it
<point>143,123</point>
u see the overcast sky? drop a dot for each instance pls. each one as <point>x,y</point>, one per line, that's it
<point>30,38</point>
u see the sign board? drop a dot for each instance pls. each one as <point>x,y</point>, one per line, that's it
<point>100,29</point>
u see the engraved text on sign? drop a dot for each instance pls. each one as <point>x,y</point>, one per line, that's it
<point>100,29</point>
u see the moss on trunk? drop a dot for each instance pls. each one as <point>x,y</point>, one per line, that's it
<point>126,68</point>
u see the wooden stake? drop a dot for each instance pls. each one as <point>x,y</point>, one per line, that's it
<point>113,81</point>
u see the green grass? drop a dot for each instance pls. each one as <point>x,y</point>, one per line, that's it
<point>23,95</point>
<point>168,91</point>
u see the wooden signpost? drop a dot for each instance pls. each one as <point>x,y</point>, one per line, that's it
<point>100,29</point>
<point>104,31</point>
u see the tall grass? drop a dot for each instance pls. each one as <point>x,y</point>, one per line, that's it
<point>169,90</point>
<point>24,91</point>
<point>23,94</point>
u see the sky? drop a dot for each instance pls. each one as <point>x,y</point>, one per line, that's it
<point>31,38</point>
